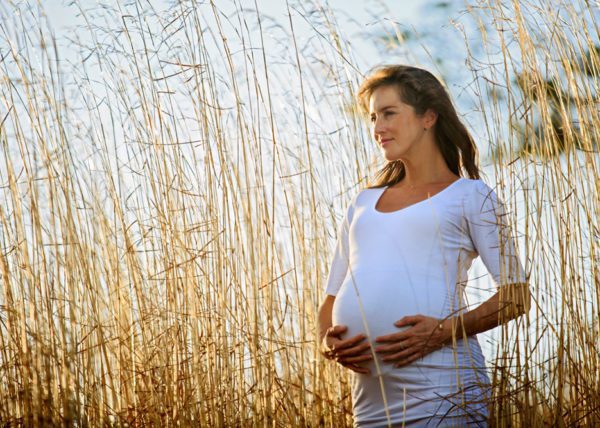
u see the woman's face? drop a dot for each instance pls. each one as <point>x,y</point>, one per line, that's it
<point>396,127</point>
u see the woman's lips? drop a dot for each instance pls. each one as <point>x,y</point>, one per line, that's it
<point>384,142</point>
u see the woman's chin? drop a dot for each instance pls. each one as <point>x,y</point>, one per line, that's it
<point>395,154</point>
<point>391,157</point>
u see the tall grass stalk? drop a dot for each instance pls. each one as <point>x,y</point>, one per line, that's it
<point>170,191</point>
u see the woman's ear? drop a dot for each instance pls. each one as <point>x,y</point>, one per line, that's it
<point>430,117</point>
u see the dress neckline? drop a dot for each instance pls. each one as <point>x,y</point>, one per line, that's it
<point>378,197</point>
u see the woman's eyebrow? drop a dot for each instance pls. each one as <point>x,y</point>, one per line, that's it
<point>384,108</point>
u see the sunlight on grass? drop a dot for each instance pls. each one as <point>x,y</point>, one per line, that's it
<point>170,198</point>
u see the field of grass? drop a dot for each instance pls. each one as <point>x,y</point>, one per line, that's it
<point>170,192</point>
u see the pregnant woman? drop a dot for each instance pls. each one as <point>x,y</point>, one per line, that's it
<point>395,312</point>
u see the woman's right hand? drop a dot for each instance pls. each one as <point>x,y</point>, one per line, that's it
<point>349,353</point>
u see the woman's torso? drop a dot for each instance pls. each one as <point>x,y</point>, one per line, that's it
<point>407,262</point>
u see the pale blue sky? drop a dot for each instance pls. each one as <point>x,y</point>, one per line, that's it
<point>354,17</point>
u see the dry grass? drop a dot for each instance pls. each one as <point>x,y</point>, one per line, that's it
<point>170,196</point>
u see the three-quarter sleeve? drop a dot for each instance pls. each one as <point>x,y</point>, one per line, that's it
<point>491,235</point>
<point>339,261</point>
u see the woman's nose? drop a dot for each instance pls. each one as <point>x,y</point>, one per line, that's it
<point>378,127</point>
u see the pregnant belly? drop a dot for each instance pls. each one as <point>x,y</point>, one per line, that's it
<point>371,301</point>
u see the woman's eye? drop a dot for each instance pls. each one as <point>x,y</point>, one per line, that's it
<point>384,114</point>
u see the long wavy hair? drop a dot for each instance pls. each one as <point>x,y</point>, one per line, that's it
<point>421,90</point>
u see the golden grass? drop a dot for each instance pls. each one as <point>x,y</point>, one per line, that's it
<point>169,201</point>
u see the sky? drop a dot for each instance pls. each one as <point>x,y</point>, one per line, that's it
<point>354,17</point>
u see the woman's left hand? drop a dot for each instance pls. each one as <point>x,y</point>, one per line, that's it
<point>406,346</point>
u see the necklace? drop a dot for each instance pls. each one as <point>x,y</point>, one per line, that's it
<point>412,188</point>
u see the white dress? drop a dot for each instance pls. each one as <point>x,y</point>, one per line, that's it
<point>415,261</point>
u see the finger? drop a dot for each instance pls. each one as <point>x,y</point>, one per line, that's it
<point>394,337</point>
<point>361,370</point>
<point>395,347</point>
<point>326,349</point>
<point>338,345</point>
<point>357,359</point>
<point>328,354</point>
<point>357,369</point>
<point>336,330</point>
<point>355,350</point>
<point>344,344</point>
<point>408,320</point>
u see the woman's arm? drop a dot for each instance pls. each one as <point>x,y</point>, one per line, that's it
<point>425,336</point>
<point>491,236</point>
<point>510,302</point>
<point>324,320</point>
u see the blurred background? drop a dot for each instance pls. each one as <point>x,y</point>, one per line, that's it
<point>173,174</point>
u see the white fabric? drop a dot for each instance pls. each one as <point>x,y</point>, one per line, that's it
<point>415,261</point>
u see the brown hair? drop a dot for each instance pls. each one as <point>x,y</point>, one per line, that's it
<point>421,90</point>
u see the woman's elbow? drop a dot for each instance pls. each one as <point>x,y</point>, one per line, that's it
<point>523,299</point>
<point>516,299</point>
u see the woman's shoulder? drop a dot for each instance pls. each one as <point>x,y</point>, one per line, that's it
<point>364,194</point>
<point>481,187</point>
<point>476,186</point>
<point>357,198</point>
<point>473,181</point>
<point>480,197</point>
<point>361,198</point>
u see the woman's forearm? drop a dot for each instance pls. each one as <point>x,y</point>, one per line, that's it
<point>324,319</point>
<point>508,303</point>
